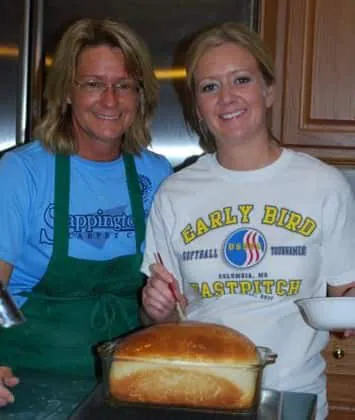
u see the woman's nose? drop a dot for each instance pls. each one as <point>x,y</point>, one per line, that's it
<point>109,97</point>
<point>226,93</point>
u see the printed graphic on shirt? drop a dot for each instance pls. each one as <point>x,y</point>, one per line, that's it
<point>244,248</point>
<point>264,289</point>
<point>96,228</point>
<point>279,217</point>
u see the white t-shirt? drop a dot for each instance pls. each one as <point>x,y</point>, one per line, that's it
<point>251,243</point>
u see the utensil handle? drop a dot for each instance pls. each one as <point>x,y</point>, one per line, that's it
<point>180,311</point>
<point>174,290</point>
<point>10,314</point>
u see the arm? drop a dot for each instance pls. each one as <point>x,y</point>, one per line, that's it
<point>346,290</point>
<point>7,379</point>
<point>157,298</point>
<point>16,195</point>
<point>10,246</point>
<point>338,263</point>
<point>5,272</point>
<point>339,243</point>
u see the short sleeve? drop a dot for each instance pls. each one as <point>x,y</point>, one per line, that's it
<point>338,244</point>
<point>159,235</point>
<point>15,193</point>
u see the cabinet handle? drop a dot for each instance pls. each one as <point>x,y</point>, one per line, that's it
<point>338,353</point>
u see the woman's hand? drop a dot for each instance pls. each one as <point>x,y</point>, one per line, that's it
<point>7,379</point>
<point>347,290</point>
<point>349,333</point>
<point>157,298</point>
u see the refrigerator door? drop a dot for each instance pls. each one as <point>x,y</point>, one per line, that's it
<point>163,25</point>
<point>14,35</point>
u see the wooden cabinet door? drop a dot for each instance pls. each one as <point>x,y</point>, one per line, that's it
<point>314,109</point>
<point>340,357</point>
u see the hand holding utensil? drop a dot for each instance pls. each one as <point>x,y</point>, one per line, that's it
<point>10,314</point>
<point>174,287</point>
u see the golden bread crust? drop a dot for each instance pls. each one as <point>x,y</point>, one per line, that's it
<point>190,341</point>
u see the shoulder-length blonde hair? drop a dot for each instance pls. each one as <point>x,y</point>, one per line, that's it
<point>212,37</point>
<point>55,130</point>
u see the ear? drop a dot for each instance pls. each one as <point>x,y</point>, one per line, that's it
<point>198,113</point>
<point>269,92</point>
<point>65,104</point>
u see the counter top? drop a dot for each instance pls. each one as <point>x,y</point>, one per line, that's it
<point>39,396</point>
<point>44,397</point>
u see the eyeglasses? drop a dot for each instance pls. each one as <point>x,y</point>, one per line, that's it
<point>127,87</point>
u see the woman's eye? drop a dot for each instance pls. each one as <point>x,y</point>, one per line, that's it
<point>241,80</point>
<point>209,87</point>
<point>93,83</point>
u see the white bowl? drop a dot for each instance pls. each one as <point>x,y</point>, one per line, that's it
<point>328,313</point>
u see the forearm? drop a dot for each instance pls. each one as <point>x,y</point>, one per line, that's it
<point>347,290</point>
<point>350,292</point>
<point>5,272</point>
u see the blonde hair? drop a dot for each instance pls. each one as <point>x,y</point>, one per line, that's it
<point>55,130</point>
<point>227,32</point>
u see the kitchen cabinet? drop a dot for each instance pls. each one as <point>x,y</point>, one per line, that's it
<point>340,357</point>
<point>313,43</point>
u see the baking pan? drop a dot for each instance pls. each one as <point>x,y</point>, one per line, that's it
<point>122,370</point>
<point>271,404</point>
<point>95,407</point>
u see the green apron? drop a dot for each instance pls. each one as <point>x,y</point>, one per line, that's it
<point>78,303</point>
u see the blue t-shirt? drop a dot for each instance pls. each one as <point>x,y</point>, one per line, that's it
<point>100,217</point>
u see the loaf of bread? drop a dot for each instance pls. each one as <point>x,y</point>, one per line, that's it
<point>186,364</point>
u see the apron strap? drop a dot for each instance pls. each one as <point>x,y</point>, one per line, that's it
<point>135,198</point>
<point>61,205</point>
<point>61,200</point>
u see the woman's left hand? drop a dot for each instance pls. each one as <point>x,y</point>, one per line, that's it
<point>349,333</point>
<point>7,379</point>
<point>347,290</point>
